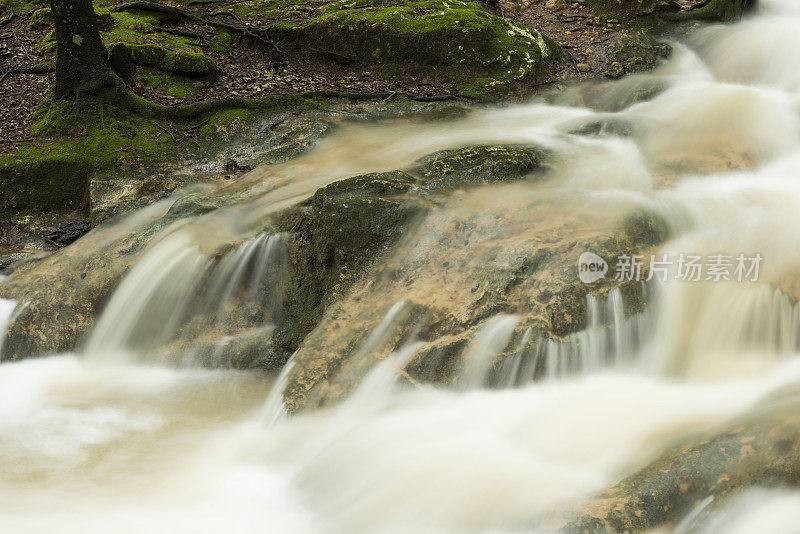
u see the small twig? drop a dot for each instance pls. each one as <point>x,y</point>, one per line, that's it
<point>5,74</point>
<point>203,2</point>
<point>548,82</point>
<point>25,51</point>
<point>230,14</point>
<point>157,125</point>
<point>42,68</point>
<point>574,62</point>
<point>200,125</point>
<point>250,33</point>
<point>18,93</point>
<point>603,40</point>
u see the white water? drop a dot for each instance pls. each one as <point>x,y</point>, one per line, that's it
<point>108,443</point>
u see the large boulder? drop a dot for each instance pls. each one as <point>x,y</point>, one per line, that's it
<point>456,43</point>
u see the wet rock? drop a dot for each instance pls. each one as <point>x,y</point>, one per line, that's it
<point>482,252</point>
<point>638,52</point>
<point>761,449</point>
<point>335,239</point>
<point>68,233</point>
<point>555,5</point>
<point>615,70</point>
<point>583,67</point>
<point>455,169</point>
<point>8,261</point>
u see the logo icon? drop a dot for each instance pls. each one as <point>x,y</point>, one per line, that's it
<point>591,267</point>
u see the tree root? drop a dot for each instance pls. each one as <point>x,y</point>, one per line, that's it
<point>5,22</point>
<point>41,68</point>
<point>179,33</point>
<point>139,106</point>
<point>156,8</point>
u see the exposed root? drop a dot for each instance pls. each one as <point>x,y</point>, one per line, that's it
<point>156,8</point>
<point>139,106</point>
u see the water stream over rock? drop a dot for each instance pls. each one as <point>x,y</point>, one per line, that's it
<point>413,286</point>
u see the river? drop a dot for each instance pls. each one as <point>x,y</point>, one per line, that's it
<point>117,439</point>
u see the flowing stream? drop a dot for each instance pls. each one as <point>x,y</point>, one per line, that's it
<point>128,437</point>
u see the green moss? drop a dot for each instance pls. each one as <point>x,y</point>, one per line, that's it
<point>41,19</point>
<point>151,48</point>
<point>273,9</point>
<point>47,45</point>
<point>71,145</point>
<point>226,122</point>
<point>223,40</point>
<point>455,42</point>
<point>168,84</point>
<point>179,61</point>
<point>638,52</point>
<point>19,6</point>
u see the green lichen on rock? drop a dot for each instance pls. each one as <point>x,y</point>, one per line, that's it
<point>52,172</point>
<point>456,42</point>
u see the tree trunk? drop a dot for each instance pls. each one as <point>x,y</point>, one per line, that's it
<point>81,56</point>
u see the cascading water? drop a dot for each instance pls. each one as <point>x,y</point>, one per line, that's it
<point>530,422</point>
<point>177,292</point>
<point>7,308</point>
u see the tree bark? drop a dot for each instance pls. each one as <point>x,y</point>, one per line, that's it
<point>81,67</point>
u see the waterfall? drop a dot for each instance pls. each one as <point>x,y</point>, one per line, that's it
<point>611,340</point>
<point>177,292</point>
<point>520,421</point>
<point>482,351</point>
<point>7,308</point>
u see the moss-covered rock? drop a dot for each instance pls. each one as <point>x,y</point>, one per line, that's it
<point>335,239</point>
<point>457,42</point>
<point>633,13</point>
<point>456,169</point>
<point>179,61</point>
<point>638,52</point>
<point>481,252</point>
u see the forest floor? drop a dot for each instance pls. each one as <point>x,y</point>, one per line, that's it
<point>250,67</point>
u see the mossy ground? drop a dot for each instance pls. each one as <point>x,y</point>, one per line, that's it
<point>70,143</point>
